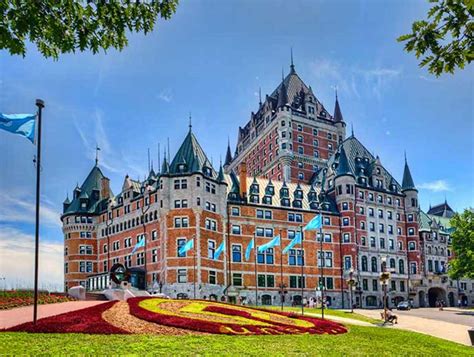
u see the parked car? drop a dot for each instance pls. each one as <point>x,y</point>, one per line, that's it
<point>404,305</point>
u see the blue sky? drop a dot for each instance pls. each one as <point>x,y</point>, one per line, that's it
<point>210,59</point>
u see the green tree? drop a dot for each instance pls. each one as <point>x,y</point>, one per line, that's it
<point>63,26</point>
<point>445,41</point>
<point>462,245</point>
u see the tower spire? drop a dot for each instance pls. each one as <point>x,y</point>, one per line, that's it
<point>407,182</point>
<point>97,149</point>
<point>292,66</point>
<point>190,122</point>
<point>337,111</point>
<point>260,96</point>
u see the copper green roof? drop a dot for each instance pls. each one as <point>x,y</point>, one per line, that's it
<point>89,193</point>
<point>192,158</point>
<point>343,165</point>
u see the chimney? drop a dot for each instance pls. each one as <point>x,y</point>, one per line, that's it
<point>243,180</point>
<point>105,187</point>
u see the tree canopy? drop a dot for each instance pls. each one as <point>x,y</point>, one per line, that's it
<point>444,42</point>
<point>462,245</point>
<point>63,26</point>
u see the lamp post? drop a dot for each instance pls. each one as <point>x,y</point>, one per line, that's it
<point>109,220</point>
<point>384,278</point>
<point>350,282</point>
<point>144,189</point>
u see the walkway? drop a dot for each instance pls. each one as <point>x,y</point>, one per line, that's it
<point>342,320</point>
<point>429,326</point>
<point>19,315</point>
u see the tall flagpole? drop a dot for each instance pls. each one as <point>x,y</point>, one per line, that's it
<point>322,264</point>
<point>302,270</point>
<point>40,105</point>
<point>281,272</point>
<point>194,271</point>
<point>256,277</point>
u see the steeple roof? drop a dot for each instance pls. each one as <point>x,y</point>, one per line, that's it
<point>93,182</point>
<point>407,182</point>
<point>192,157</point>
<point>343,165</point>
<point>282,95</point>
<point>337,112</point>
<point>228,156</point>
<point>442,210</point>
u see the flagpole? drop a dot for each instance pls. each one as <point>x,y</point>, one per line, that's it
<point>302,270</point>
<point>322,264</point>
<point>194,272</point>
<point>281,272</point>
<point>40,105</point>
<point>256,277</point>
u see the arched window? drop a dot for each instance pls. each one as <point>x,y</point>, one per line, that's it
<point>364,263</point>
<point>392,263</point>
<point>401,266</point>
<point>374,264</point>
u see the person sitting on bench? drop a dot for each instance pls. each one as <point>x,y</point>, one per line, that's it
<point>392,318</point>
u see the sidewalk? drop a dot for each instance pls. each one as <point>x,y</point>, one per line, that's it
<point>441,329</point>
<point>19,315</point>
<point>342,320</point>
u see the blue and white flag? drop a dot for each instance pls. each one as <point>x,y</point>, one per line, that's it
<point>189,245</point>
<point>296,240</point>
<point>315,223</point>
<point>141,243</point>
<point>219,250</point>
<point>273,243</point>
<point>21,124</point>
<point>249,249</point>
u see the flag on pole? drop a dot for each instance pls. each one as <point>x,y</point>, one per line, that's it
<point>273,243</point>
<point>21,124</point>
<point>315,223</point>
<point>189,245</point>
<point>249,249</point>
<point>296,240</point>
<point>141,243</point>
<point>219,250</point>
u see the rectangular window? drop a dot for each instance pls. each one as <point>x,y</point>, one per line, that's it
<point>235,211</point>
<point>236,253</point>
<point>211,249</point>
<point>179,243</point>
<point>237,279</point>
<point>212,277</point>
<point>346,237</point>
<point>182,276</point>
<point>236,230</point>
<point>154,255</point>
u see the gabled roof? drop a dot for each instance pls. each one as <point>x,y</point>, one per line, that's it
<point>192,156</point>
<point>343,165</point>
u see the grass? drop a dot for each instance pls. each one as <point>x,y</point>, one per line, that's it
<point>359,341</point>
<point>329,312</point>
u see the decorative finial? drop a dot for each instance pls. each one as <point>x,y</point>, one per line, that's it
<point>190,122</point>
<point>405,156</point>
<point>282,75</point>
<point>335,88</point>
<point>260,95</point>
<point>352,125</point>
<point>97,149</point>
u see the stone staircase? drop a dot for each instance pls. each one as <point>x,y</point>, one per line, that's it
<point>93,296</point>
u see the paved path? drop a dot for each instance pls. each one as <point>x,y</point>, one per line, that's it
<point>19,315</point>
<point>453,315</point>
<point>430,326</point>
<point>342,320</point>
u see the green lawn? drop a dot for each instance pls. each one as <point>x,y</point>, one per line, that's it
<point>359,341</point>
<point>328,312</point>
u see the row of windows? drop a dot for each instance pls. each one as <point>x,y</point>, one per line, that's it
<point>376,283</point>
<point>374,267</point>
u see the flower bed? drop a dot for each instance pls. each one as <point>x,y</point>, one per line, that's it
<point>220,318</point>
<point>12,299</point>
<point>88,320</point>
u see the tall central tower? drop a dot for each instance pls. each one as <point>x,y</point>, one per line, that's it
<point>291,136</point>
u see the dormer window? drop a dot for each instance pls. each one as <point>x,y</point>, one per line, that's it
<point>298,194</point>
<point>181,168</point>
<point>285,202</point>
<point>297,204</point>
<point>270,190</point>
<point>284,193</point>
<point>254,188</point>
<point>267,200</point>
<point>312,196</point>
<point>207,171</point>
<point>378,170</point>
<point>84,205</point>
<point>254,199</point>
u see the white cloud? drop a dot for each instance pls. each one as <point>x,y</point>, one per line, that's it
<point>436,186</point>
<point>21,208</point>
<point>165,96</point>
<point>354,80</point>
<point>17,260</point>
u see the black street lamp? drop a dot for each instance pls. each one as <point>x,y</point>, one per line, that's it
<point>384,278</point>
